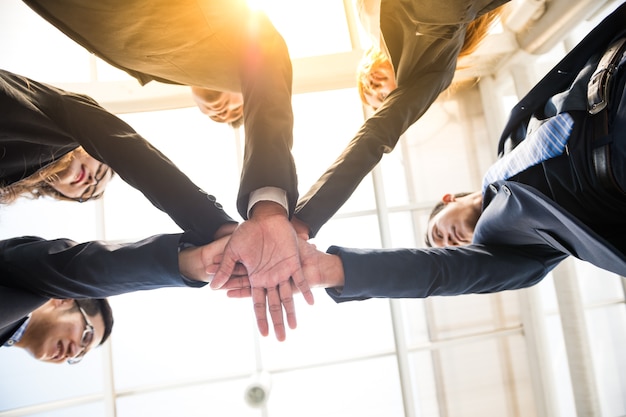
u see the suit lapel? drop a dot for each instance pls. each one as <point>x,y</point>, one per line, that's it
<point>564,73</point>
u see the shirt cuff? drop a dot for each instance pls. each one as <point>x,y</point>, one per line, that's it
<point>275,194</point>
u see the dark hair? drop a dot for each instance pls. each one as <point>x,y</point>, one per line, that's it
<point>95,306</point>
<point>438,207</point>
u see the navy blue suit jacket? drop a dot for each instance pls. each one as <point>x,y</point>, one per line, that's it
<point>34,270</point>
<point>520,236</point>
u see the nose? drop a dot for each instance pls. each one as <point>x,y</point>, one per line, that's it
<point>72,350</point>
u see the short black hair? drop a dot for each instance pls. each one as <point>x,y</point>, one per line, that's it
<point>95,306</point>
<point>438,207</point>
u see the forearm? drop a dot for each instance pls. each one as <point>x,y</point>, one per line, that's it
<point>266,78</point>
<point>421,273</point>
<point>378,135</point>
<point>65,269</point>
<point>142,166</point>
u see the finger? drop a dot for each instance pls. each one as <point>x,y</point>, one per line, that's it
<point>236,283</point>
<point>276,312</point>
<point>286,297</point>
<point>258,301</point>
<point>239,293</point>
<point>223,273</point>
<point>303,286</point>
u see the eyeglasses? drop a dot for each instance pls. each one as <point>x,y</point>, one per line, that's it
<point>85,339</point>
<point>89,191</point>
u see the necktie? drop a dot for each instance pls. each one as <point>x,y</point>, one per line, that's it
<point>548,141</point>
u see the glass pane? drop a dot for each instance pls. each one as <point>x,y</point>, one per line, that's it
<point>607,335</point>
<point>487,378</point>
<point>367,388</point>
<point>329,332</point>
<point>423,383</point>
<point>204,150</point>
<point>471,314</point>
<point>96,409</point>
<point>26,381</point>
<point>309,28</point>
<point>415,323</point>
<point>439,144</point>
<point>355,232</point>
<point>598,285</point>
<point>560,367</point>
<point>223,398</point>
<point>324,124</point>
<point>37,49</point>
<point>181,334</point>
<point>402,230</point>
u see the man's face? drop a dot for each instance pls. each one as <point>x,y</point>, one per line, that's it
<point>222,107</point>
<point>55,330</point>
<point>454,224</point>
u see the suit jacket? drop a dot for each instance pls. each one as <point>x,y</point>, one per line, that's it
<point>34,270</point>
<point>521,235</point>
<point>41,123</point>
<point>216,44</point>
<point>424,38</point>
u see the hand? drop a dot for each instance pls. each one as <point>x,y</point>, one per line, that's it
<point>301,228</point>
<point>196,263</point>
<point>267,246</point>
<point>225,230</point>
<point>320,270</point>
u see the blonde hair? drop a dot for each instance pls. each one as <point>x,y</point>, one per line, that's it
<point>38,184</point>
<point>474,34</point>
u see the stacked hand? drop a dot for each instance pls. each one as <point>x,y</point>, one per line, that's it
<point>267,246</point>
<point>277,265</point>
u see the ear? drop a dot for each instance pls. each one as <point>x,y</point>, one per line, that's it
<point>448,198</point>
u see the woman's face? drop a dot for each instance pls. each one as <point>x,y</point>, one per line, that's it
<point>84,178</point>
<point>380,81</point>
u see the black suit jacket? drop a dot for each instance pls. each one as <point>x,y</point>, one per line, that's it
<point>424,38</point>
<point>40,123</point>
<point>34,270</point>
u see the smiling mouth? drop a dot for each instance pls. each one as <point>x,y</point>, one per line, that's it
<point>80,176</point>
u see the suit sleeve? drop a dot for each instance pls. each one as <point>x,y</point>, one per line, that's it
<point>43,122</point>
<point>266,78</point>
<point>378,135</point>
<point>110,140</point>
<point>63,268</point>
<point>421,273</point>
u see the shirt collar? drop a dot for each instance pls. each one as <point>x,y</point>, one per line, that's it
<point>17,336</point>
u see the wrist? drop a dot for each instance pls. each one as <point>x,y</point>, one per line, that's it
<point>266,209</point>
<point>225,230</point>
<point>333,273</point>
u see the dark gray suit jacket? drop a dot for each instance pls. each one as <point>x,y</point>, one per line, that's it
<point>215,44</point>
